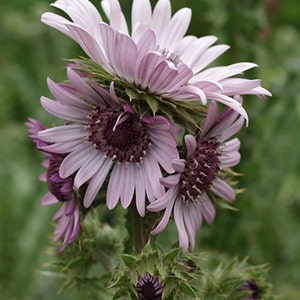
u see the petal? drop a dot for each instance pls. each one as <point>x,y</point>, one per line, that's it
<point>64,133</point>
<point>73,161</point>
<point>223,190</point>
<point>114,187</point>
<point>179,221</point>
<point>96,183</point>
<point>140,12</point>
<point>64,112</point>
<point>190,144</point>
<point>114,13</point>
<point>178,165</point>
<point>92,164</point>
<point>128,178</point>
<point>49,199</point>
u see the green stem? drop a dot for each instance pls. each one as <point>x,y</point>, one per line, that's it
<point>140,239</point>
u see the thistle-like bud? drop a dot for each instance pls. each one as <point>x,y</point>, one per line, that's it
<point>149,288</point>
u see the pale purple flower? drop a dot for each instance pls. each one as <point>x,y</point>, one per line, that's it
<point>202,173</point>
<point>149,288</point>
<point>60,191</point>
<point>156,56</point>
<point>105,138</point>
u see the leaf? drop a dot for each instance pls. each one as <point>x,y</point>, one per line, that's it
<point>171,255</point>
<point>128,260</point>
<point>187,289</point>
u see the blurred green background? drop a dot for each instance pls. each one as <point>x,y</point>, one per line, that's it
<point>267,225</point>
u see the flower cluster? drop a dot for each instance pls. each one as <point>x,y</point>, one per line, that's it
<point>126,110</point>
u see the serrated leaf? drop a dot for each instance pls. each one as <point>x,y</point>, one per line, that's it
<point>187,289</point>
<point>129,260</point>
<point>171,255</point>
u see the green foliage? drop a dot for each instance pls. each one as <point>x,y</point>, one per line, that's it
<point>266,227</point>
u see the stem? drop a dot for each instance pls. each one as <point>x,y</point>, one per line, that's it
<point>139,233</point>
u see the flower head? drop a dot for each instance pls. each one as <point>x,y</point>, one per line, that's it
<point>253,288</point>
<point>60,191</point>
<point>155,56</point>
<point>103,135</point>
<point>202,173</point>
<point>149,288</point>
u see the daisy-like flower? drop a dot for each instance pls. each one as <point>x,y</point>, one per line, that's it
<point>60,191</point>
<point>149,287</point>
<point>103,135</point>
<point>203,172</point>
<point>155,56</point>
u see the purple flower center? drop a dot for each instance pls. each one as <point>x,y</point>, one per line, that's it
<point>149,288</point>
<point>121,135</point>
<point>61,188</point>
<point>200,170</point>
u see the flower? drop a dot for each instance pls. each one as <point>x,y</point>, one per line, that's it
<point>203,172</point>
<point>149,288</point>
<point>253,288</point>
<point>155,56</point>
<point>102,134</point>
<point>60,190</point>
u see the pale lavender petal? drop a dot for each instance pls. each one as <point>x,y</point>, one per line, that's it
<point>223,189</point>
<point>230,160</point>
<point>114,187</point>
<point>160,18</point>
<point>190,144</point>
<point>140,12</point>
<point>63,147</point>
<point>152,175</point>
<point>170,181</point>
<point>49,199</point>
<point>211,117</point>
<point>146,67</point>
<point>167,199</point>
<point>114,13</point>
<point>96,183</point>
<point>65,97</point>
<point>219,73</point>
<point>87,43</point>
<point>207,209</point>
<point>239,86</point>
<point>64,133</point>
<point>128,184</point>
<point>140,196</point>
<point>93,162</point>
<point>230,102</point>
<point>192,51</point>
<point>178,218</point>
<point>145,44</point>
<point>178,165</point>
<point>176,29</point>
<point>162,76</point>
<point>192,220</point>
<point>125,54</point>
<point>64,112</point>
<point>56,22</point>
<point>77,10</point>
<point>187,92</point>
<point>83,88</point>
<point>209,56</point>
<point>73,161</point>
